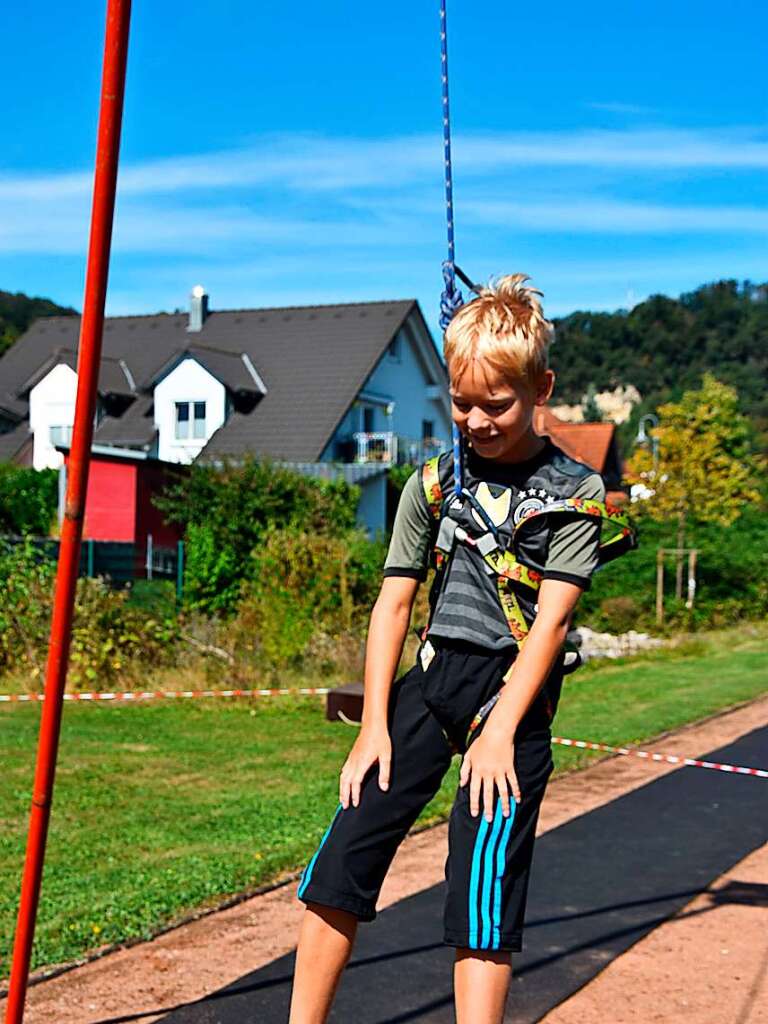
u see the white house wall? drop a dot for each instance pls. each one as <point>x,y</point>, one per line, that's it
<point>187,382</point>
<point>51,404</point>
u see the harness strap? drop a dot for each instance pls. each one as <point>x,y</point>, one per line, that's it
<point>623,540</point>
<point>508,569</point>
<point>433,491</point>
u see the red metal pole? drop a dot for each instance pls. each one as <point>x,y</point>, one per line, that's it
<point>105,181</point>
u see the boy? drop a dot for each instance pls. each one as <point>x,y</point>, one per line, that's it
<point>487,677</point>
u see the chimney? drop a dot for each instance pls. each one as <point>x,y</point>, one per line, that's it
<point>198,308</point>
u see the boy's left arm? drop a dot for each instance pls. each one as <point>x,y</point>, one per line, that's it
<point>489,762</point>
<point>530,669</point>
<point>572,558</point>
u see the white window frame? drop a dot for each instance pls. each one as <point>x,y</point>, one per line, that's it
<point>193,422</point>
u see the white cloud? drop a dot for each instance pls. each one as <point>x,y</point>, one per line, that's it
<point>347,198</point>
<point>311,164</point>
<point>614,107</point>
<point>598,216</point>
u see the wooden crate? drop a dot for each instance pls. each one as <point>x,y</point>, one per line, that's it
<point>348,699</point>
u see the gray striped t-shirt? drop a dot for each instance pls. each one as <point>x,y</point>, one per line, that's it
<point>467,607</point>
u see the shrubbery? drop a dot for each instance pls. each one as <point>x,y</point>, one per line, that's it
<point>226,512</point>
<point>731,571</point>
<point>28,499</point>
<point>303,589</point>
<point>111,639</point>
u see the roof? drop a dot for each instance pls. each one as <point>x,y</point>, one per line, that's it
<point>13,442</point>
<point>351,472</point>
<point>234,369</point>
<point>313,361</point>
<point>114,375</point>
<point>589,443</point>
<point>134,429</point>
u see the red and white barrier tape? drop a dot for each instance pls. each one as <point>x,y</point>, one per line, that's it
<point>691,762</point>
<point>138,695</point>
<point>322,691</point>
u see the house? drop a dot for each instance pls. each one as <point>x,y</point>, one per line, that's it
<point>592,443</point>
<point>340,390</point>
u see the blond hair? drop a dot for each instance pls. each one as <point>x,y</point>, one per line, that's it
<point>505,327</point>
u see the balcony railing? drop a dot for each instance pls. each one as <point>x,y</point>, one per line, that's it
<point>387,447</point>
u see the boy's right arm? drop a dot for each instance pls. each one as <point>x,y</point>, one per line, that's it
<point>405,568</point>
<point>389,624</point>
<point>388,628</point>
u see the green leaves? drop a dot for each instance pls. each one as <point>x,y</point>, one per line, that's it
<point>228,511</point>
<point>706,470</point>
<point>28,499</point>
<point>663,346</point>
<point>112,639</point>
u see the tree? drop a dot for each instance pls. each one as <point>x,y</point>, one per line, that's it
<point>706,470</point>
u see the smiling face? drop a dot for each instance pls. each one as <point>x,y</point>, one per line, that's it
<point>496,414</point>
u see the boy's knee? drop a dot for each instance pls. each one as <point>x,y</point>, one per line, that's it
<point>496,956</point>
<point>342,921</point>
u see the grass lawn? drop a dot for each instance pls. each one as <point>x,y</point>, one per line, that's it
<point>163,807</point>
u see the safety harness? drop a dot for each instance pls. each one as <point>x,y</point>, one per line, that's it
<point>504,564</point>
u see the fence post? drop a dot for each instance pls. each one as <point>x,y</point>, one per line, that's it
<point>149,556</point>
<point>91,560</point>
<point>180,570</point>
<point>660,586</point>
<point>691,577</point>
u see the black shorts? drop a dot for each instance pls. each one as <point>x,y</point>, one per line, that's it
<point>430,712</point>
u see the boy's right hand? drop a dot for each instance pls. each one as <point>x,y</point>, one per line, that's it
<point>372,745</point>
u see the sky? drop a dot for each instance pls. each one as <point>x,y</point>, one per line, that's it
<point>283,154</point>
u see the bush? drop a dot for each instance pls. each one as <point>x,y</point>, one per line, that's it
<point>226,513</point>
<point>26,585</point>
<point>731,573</point>
<point>617,614</point>
<point>399,474</point>
<point>304,592</point>
<point>28,499</point>
<point>111,638</point>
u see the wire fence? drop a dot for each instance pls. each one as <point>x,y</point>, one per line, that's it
<point>119,562</point>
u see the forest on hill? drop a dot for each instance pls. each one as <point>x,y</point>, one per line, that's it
<point>17,311</point>
<point>663,346</point>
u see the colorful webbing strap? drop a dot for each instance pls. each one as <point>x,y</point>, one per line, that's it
<point>624,539</point>
<point>433,491</point>
<point>508,569</point>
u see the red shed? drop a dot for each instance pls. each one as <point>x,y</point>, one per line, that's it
<point>118,506</point>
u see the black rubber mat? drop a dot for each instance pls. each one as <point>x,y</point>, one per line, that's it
<point>599,883</point>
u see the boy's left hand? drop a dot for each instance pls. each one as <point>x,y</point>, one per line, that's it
<point>489,763</point>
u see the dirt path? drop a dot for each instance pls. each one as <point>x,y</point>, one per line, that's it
<point>675,973</point>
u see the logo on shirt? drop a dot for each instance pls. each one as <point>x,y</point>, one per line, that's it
<point>531,501</point>
<point>496,505</point>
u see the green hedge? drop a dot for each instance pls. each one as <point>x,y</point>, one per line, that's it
<point>28,499</point>
<point>731,571</point>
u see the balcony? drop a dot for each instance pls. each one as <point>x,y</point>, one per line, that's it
<point>391,449</point>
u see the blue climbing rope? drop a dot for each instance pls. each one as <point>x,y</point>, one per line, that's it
<point>451,299</point>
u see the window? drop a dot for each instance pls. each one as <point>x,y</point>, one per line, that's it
<point>198,423</point>
<point>427,430</point>
<point>60,435</point>
<point>367,419</point>
<point>190,421</point>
